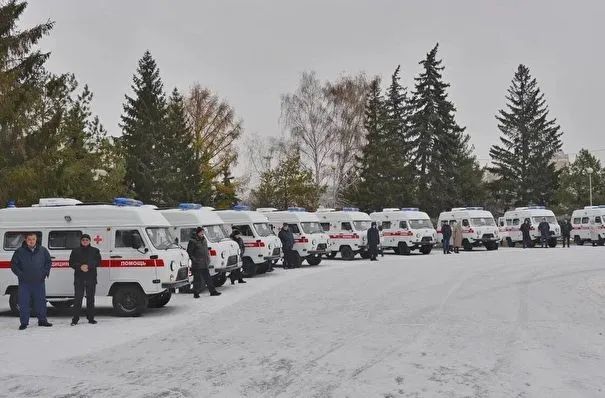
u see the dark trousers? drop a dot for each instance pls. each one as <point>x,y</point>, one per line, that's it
<point>566,239</point>
<point>373,249</point>
<point>446,245</point>
<point>198,275</point>
<point>526,241</point>
<point>289,259</point>
<point>27,290</point>
<point>89,287</point>
<point>236,275</point>
<point>544,240</point>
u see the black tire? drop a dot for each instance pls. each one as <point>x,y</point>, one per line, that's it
<point>467,245</point>
<point>491,246</point>
<point>426,249</point>
<point>248,268</point>
<point>396,250</point>
<point>509,242</point>
<point>314,260</point>
<point>552,242</point>
<point>578,241</point>
<point>404,249</point>
<point>159,300</point>
<point>219,279</point>
<point>601,241</point>
<point>129,301</point>
<point>347,253</point>
<point>365,255</point>
<point>62,305</point>
<point>331,254</point>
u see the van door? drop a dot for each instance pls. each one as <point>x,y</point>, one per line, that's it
<point>60,243</point>
<point>129,255</point>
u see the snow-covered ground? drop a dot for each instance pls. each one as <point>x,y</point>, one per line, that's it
<point>511,323</point>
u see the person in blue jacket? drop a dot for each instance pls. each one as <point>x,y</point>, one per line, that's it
<point>31,263</point>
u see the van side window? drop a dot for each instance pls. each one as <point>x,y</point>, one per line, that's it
<point>187,234</point>
<point>509,221</point>
<point>294,228</point>
<point>576,220</point>
<point>346,226</point>
<point>585,220</point>
<point>386,224</point>
<point>127,237</point>
<point>516,221</point>
<point>64,240</point>
<point>597,220</point>
<point>325,226</point>
<point>14,239</point>
<point>465,223</point>
<point>403,224</point>
<point>245,230</point>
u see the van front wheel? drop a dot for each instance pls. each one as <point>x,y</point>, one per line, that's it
<point>314,260</point>
<point>219,279</point>
<point>129,301</point>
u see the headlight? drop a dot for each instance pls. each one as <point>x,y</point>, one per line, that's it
<point>418,235</point>
<point>313,242</point>
<point>172,266</point>
<point>222,254</point>
<point>269,246</point>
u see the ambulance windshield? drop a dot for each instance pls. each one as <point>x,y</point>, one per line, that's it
<point>483,222</point>
<point>214,233</point>
<point>311,228</point>
<point>419,224</point>
<point>549,219</point>
<point>161,237</point>
<point>362,225</point>
<point>263,229</point>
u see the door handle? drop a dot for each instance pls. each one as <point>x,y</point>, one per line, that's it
<point>115,257</point>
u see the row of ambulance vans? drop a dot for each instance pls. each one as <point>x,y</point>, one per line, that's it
<point>588,225</point>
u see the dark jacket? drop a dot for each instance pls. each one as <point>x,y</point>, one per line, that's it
<point>287,239</point>
<point>544,228</point>
<point>525,229</point>
<point>566,229</point>
<point>446,230</point>
<point>88,255</point>
<point>31,266</point>
<point>373,237</point>
<point>198,253</point>
<point>239,241</point>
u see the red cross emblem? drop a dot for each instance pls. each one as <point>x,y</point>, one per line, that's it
<point>98,239</point>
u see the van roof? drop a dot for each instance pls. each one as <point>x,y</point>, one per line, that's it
<point>343,215</point>
<point>399,215</point>
<point>241,216</point>
<point>530,212</point>
<point>466,213</point>
<point>80,216</point>
<point>192,217</point>
<point>291,216</point>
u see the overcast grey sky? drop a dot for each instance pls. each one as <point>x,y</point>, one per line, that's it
<point>250,52</point>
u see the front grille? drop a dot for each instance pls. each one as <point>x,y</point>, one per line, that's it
<point>276,251</point>
<point>488,236</point>
<point>232,260</point>
<point>322,246</point>
<point>427,239</point>
<point>182,273</point>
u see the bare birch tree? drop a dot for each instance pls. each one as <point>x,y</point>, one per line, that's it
<point>306,115</point>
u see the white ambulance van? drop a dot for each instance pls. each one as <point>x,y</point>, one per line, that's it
<point>588,225</point>
<point>405,230</point>
<point>224,252</point>
<point>310,240</point>
<point>478,227</point>
<point>141,264</point>
<point>262,246</point>
<point>347,230</point>
<point>535,214</point>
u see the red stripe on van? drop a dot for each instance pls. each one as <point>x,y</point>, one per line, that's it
<point>113,263</point>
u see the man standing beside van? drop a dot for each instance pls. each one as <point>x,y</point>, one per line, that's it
<point>544,228</point>
<point>31,264</point>
<point>566,232</point>
<point>85,260</point>
<point>287,241</point>
<point>237,275</point>
<point>525,227</point>
<point>373,241</point>
<point>200,260</point>
<point>446,231</point>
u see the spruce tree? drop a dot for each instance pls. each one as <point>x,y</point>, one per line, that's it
<point>143,124</point>
<point>524,161</point>
<point>446,172</point>
<point>371,167</point>
<point>399,182</point>
<point>179,173</point>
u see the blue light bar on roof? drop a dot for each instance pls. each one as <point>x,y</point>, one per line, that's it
<point>127,202</point>
<point>409,209</point>
<point>241,207</point>
<point>536,207</point>
<point>296,209</point>
<point>11,204</point>
<point>189,206</point>
<point>350,209</point>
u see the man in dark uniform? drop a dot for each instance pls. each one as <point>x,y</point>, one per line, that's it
<point>373,241</point>
<point>525,231</point>
<point>287,240</point>
<point>200,260</point>
<point>446,231</point>
<point>84,260</point>
<point>237,275</point>
<point>566,232</point>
